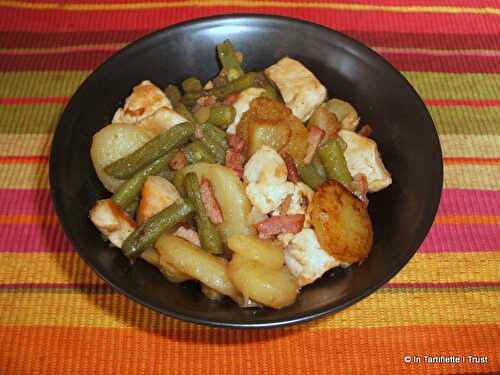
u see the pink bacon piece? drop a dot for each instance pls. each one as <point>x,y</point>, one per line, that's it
<point>275,225</point>
<point>316,135</point>
<point>207,196</point>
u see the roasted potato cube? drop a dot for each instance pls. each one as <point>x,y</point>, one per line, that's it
<point>262,251</point>
<point>273,135</point>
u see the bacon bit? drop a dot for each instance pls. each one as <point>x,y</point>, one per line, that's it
<point>280,224</point>
<point>293,174</point>
<point>230,99</point>
<point>206,101</point>
<point>365,131</point>
<point>315,136</point>
<point>285,205</point>
<point>235,142</point>
<point>235,160</point>
<point>188,234</point>
<point>136,112</point>
<point>359,186</point>
<point>207,196</point>
<point>179,161</point>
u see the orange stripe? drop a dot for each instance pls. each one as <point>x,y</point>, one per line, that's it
<point>465,160</point>
<point>200,350</point>
<point>467,219</point>
<point>28,219</point>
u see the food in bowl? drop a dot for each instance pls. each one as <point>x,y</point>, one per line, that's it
<point>254,183</point>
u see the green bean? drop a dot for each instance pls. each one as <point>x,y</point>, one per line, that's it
<point>178,181</point>
<point>215,148</point>
<point>132,207</point>
<point>202,114</point>
<point>334,162</point>
<point>173,94</point>
<point>272,92</point>
<point>155,148</point>
<point>192,84</point>
<point>318,165</point>
<point>190,98</point>
<point>215,133</point>
<point>197,152</point>
<point>222,115</point>
<point>149,231</point>
<point>130,189</point>
<point>311,177</point>
<point>229,60</point>
<point>209,237</point>
<point>244,82</point>
<point>184,112</point>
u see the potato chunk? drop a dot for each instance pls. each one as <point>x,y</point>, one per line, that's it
<point>111,143</point>
<point>341,222</point>
<point>274,288</point>
<point>262,251</point>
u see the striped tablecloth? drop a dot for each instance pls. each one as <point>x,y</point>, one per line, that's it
<point>57,316</point>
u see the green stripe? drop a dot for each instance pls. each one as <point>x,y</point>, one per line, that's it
<point>40,84</point>
<point>462,120</point>
<point>35,119</point>
<point>455,86</point>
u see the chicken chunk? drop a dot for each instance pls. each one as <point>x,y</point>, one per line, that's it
<point>242,104</point>
<point>112,221</point>
<point>160,121</point>
<point>299,201</point>
<point>157,193</point>
<point>266,175</point>
<point>265,166</point>
<point>306,260</point>
<point>146,99</point>
<point>362,157</point>
<point>300,89</point>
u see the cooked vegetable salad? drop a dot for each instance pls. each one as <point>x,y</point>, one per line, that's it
<point>253,183</point>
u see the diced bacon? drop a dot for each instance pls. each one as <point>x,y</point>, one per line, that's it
<point>206,101</point>
<point>279,225</point>
<point>235,160</point>
<point>293,174</point>
<point>285,205</point>
<point>315,136</point>
<point>179,161</point>
<point>235,142</point>
<point>188,234</point>
<point>365,131</point>
<point>207,196</point>
<point>230,99</point>
<point>359,186</point>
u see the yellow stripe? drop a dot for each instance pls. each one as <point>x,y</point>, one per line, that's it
<point>24,176</point>
<point>250,4</point>
<point>68,268</point>
<point>25,144</point>
<point>467,176</point>
<point>459,145</point>
<point>381,309</point>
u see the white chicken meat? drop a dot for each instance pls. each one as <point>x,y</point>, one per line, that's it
<point>242,104</point>
<point>299,87</point>
<point>112,221</point>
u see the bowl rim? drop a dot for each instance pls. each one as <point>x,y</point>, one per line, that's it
<point>432,202</point>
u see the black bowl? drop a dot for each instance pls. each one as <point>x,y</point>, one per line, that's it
<point>404,131</point>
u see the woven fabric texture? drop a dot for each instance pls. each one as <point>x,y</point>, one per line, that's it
<point>58,317</point>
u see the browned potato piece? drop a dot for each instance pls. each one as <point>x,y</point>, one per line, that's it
<point>266,112</point>
<point>324,120</point>
<point>341,222</point>
<point>169,271</point>
<point>273,135</point>
<point>297,145</point>
<point>274,288</point>
<point>262,251</point>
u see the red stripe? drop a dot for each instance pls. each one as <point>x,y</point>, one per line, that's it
<point>89,60</point>
<point>463,102</point>
<point>431,23</point>
<point>34,100</point>
<point>392,38</point>
<point>23,159</point>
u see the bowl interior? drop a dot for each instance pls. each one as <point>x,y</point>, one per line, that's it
<point>403,129</point>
